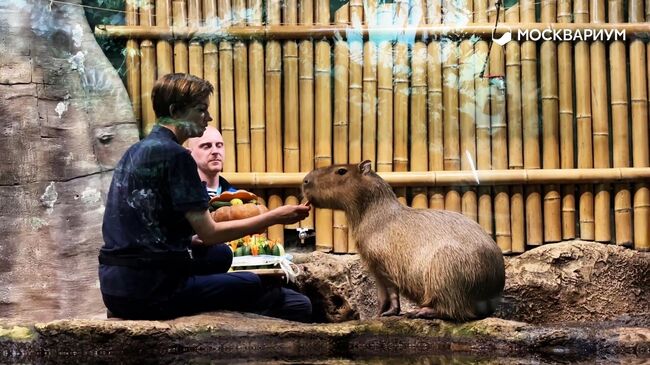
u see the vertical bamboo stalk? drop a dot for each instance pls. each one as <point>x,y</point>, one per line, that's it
<point>356,98</point>
<point>583,122</point>
<point>418,126</point>
<point>133,66</point>
<point>499,128</point>
<point>451,127</point>
<point>515,144</point>
<point>211,63</point>
<point>209,10</point>
<point>256,82</point>
<point>340,125</point>
<point>400,97</point>
<point>482,112</point>
<point>211,74</point>
<point>618,78</point>
<point>291,113</point>
<point>550,128</point>
<point>600,125</point>
<point>179,19</point>
<point>147,69</point>
<point>434,106</point>
<point>195,49</point>
<point>385,94</point>
<point>323,120</point>
<point>240,70</point>
<point>534,218</point>
<point>369,96</point>
<point>164,52</point>
<point>196,59</point>
<point>356,84</point>
<point>467,117</point>
<point>639,98</point>
<point>274,161</point>
<point>565,76</point>
<point>306,76</point>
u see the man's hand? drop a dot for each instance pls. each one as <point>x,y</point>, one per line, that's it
<point>196,241</point>
<point>289,214</point>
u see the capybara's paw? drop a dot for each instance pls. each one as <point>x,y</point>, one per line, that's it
<point>427,313</point>
<point>390,312</point>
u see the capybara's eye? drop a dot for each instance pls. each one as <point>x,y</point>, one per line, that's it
<point>341,171</point>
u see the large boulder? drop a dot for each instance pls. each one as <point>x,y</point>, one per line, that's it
<point>564,282</point>
<point>65,121</point>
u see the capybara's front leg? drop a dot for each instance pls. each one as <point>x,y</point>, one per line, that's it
<point>382,298</point>
<point>393,296</point>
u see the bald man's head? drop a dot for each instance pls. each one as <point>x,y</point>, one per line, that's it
<point>208,151</point>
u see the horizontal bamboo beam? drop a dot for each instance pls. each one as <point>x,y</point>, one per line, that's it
<point>459,178</point>
<point>280,32</point>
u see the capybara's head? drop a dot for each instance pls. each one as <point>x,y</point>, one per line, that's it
<point>344,186</point>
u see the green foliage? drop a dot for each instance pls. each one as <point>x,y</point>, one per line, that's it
<point>108,12</point>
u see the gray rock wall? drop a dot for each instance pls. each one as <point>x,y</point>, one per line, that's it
<point>65,120</point>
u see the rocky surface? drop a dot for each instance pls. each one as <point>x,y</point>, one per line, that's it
<point>556,283</point>
<point>66,120</point>
<point>227,335</point>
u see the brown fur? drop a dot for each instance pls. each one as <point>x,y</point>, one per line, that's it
<point>441,260</point>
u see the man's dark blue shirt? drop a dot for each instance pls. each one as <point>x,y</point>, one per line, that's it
<point>154,185</point>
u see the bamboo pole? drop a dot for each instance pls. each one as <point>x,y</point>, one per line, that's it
<point>385,94</point>
<point>291,113</point>
<point>550,127</point>
<point>195,56</point>
<point>464,178</point>
<point>164,51</point>
<point>534,217</point>
<point>211,74</point>
<point>400,97</point>
<point>482,112</point>
<point>434,101</point>
<point>451,128</point>
<point>583,122</point>
<point>639,98</point>
<point>211,63</point>
<point>240,88</point>
<point>467,111</point>
<point>515,144</point>
<point>418,122</point>
<point>273,80</point>
<point>147,70</point>
<point>356,97</point>
<point>209,10</point>
<point>369,92</point>
<point>356,85</point>
<point>282,32</point>
<point>306,77</point>
<point>499,129</point>
<point>179,19</point>
<point>323,123</point>
<point>256,88</point>
<point>340,123</point>
<point>196,59</point>
<point>226,91</point>
<point>600,125</point>
<point>133,67</point>
<point>565,82</point>
<point>619,103</point>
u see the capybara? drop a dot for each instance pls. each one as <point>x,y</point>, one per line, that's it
<point>441,260</point>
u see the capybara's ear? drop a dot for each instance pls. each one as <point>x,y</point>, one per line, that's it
<point>365,167</point>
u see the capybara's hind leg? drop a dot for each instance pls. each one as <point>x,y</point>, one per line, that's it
<point>425,312</point>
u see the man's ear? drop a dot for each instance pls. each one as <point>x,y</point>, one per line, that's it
<point>365,167</point>
<point>172,110</point>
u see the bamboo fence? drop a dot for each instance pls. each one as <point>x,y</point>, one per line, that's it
<point>537,141</point>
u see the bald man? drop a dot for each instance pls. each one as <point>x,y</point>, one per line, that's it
<point>209,153</point>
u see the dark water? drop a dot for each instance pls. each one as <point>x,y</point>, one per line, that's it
<point>402,360</point>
